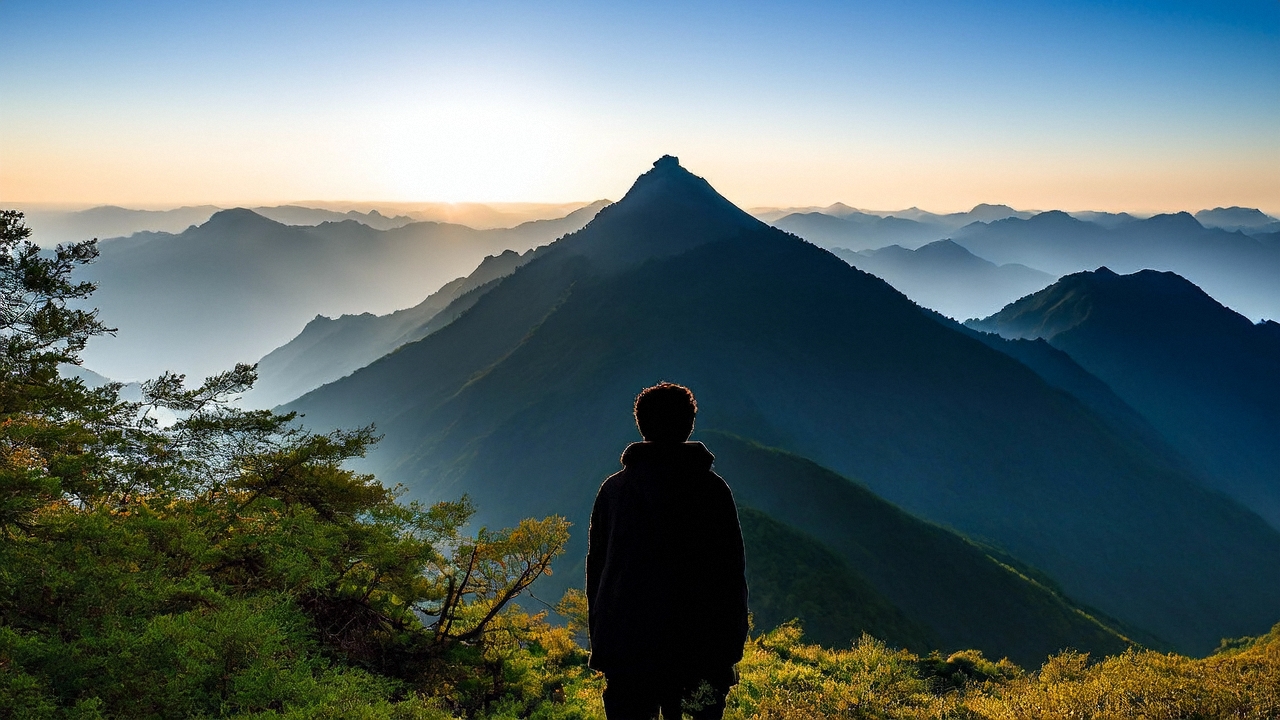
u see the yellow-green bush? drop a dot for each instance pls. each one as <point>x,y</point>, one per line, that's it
<point>784,678</point>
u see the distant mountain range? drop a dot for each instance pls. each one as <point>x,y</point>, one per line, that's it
<point>1247,220</point>
<point>1238,270</point>
<point>239,285</point>
<point>860,232</point>
<point>50,227</point>
<point>523,403</point>
<point>1203,375</point>
<point>1234,253</point>
<point>298,215</point>
<point>107,221</point>
<point>947,278</point>
<point>842,226</point>
<point>982,212</point>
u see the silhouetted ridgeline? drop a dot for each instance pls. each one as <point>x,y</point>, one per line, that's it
<point>329,348</point>
<point>522,402</point>
<point>1201,374</point>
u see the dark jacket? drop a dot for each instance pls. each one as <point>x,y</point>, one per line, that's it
<point>665,567</point>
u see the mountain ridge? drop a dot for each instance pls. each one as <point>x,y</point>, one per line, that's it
<point>1201,373</point>
<point>330,348</point>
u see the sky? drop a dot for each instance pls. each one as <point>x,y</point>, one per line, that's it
<point>1139,106</point>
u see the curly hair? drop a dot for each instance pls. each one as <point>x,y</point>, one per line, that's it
<point>665,412</point>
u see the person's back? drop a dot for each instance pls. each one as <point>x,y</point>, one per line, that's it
<point>665,571</point>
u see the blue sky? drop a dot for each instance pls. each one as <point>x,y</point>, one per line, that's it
<point>1107,105</point>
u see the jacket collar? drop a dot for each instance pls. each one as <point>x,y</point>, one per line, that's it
<point>693,454</point>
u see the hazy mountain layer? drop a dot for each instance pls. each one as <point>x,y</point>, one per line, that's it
<point>1103,219</point>
<point>524,402</point>
<point>945,277</point>
<point>1248,220</point>
<point>1203,375</point>
<point>50,227</point>
<point>980,213</point>
<point>860,232</point>
<point>1238,270</point>
<point>298,215</point>
<point>238,286</point>
<point>108,221</point>
<point>329,348</point>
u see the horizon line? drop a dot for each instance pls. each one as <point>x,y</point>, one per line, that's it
<point>408,205</point>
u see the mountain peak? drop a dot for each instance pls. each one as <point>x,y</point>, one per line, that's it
<point>1054,216</point>
<point>671,187</point>
<point>667,162</point>
<point>988,207</point>
<point>667,211</point>
<point>945,248</point>
<point>237,218</point>
<point>986,212</point>
<point>1147,298</point>
<point>1234,216</point>
<point>1170,221</point>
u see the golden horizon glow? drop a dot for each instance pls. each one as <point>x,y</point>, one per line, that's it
<point>882,186</point>
<point>1054,107</point>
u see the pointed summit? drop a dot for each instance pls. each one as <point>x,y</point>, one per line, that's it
<point>666,161</point>
<point>667,211</point>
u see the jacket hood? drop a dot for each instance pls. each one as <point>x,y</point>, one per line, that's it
<point>693,454</point>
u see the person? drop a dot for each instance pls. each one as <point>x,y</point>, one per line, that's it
<point>666,584</point>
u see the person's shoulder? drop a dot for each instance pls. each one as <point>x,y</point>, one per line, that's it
<point>718,485</point>
<point>614,483</point>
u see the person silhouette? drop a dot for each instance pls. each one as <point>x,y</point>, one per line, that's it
<point>666,584</point>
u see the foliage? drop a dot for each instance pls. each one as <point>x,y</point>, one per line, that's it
<point>227,564</point>
<point>781,677</point>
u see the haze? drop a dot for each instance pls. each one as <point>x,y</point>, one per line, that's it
<point>1135,106</point>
